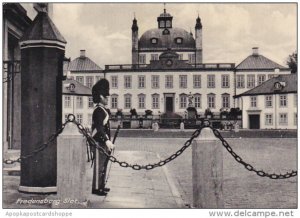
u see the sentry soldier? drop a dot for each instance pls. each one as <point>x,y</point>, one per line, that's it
<point>101,133</point>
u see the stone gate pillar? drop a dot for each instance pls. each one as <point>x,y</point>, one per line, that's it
<point>42,54</point>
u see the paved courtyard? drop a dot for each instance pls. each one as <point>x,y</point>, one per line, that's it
<point>242,189</point>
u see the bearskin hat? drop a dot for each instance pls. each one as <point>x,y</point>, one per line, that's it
<point>100,88</point>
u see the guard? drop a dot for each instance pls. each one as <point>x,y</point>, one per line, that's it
<point>101,133</point>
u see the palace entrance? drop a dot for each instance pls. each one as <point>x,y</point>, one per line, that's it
<point>169,103</point>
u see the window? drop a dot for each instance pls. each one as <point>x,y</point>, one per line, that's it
<point>210,81</point>
<point>169,81</point>
<point>127,82</point>
<point>191,58</point>
<point>67,101</point>
<point>225,101</point>
<point>261,79</point>
<point>127,101</point>
<point>80,79</point>
<point>154,40</point>
<point>268,101</point>
<point>79,102</point>
<point>225,81</point>
<point>197,100</point>
<point>179,40</point>
<point>90,119</point>
<point>155,81</point>
<point>240,81</point>
<point>114,82</point>
<point>155,101</point>
<point>154,57</point>
<point>197,81</point>
<point>180,56</point>
<point>141,101</point>
<point>211,100</point>
<point>141,81</point>
<point>253,102</point>
<point>282,100</point>
<point>162,24</point>
<point>250,81</point>
<point>295,100</point>
<point>269,119</point>
<point>90,103</point>
<point>182,101</point>
<point>283,119</point>
<point>183,81</point>
<point>79,118</point>
<point>114,101</point>
<point>168,23</point>
<point>89,81</point>
<point>295,119</point>
<point>142,59</point>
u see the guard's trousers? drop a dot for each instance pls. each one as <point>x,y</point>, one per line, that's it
<point>100,168</point>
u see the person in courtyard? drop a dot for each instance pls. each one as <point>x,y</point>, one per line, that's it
<point>101,133</point>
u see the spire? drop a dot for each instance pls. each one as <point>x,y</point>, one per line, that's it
<point>134,26</point>
<point>198,23</point>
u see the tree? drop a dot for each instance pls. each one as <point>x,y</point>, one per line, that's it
<point>292,62</point>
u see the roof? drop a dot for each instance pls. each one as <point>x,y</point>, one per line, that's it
<point>167,41</point>
<point>80,89</point>
<point>43,28</point>
<point>83,64</point>
<point>168,54</point>
<point>268,86</point>
<point>258,62</point>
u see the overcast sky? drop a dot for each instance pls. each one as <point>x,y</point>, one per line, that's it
<point>229,30</point>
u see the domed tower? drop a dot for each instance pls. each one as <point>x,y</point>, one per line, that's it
<point>198,39</point>
<point>135,41</point>
<point>165,21</point>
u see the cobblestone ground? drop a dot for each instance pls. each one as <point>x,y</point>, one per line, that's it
<point>242,189</point>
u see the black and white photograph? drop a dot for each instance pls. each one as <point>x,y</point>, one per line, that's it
<point>150,105</point>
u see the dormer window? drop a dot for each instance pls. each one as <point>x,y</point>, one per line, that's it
<point>166,32</point>
<point>162,24</point>
<point>154,40</point>
<point>178,40</point>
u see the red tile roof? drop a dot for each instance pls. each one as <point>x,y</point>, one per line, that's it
<point>258,62</point>
<point>83,64</point>
<point>267,87</point>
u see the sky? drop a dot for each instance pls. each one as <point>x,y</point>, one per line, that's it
<point>229,30</point>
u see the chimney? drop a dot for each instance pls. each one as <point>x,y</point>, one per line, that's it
<point>82,53</point>
<point>255,51</point>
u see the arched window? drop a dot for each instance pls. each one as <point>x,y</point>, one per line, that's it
<point>155,101</point>
<point>142,102</point>
<point>127,101</point>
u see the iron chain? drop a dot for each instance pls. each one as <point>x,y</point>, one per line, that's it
<point>42,147</point>
<point>249,166</point>
<point>124,164</point>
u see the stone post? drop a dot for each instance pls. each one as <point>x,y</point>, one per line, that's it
<point>71,168</point>
<point>42,55</point>
<point>207,164</point>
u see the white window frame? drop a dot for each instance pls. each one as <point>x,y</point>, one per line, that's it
<point>114,101</point>
<point>240,81</point>
<point>90,102</point>
<point>155,81</point>
<point>67,102</point>
<point>197,101</point>
<point>197,81</point>
<point>283,119</point>
<point>211,101</point>
<point>79,102</point>
<point>283,100</point>
<point>80,79</point>
<point>114,82</point>
<point>142,58</point>
<point>169,81</point>
<point>226,100</point>
<point>211,81</point>
<point>141,101</point>
<point>155,101</point>
<point>183,81</point>
<point>269,119</point>
<point>127,82</point>
<point>141,81</point>
<point>251,81</point>
<point>268,101</point>
<point>253,101</point>
<point>154,57</point>
<point>89,81</point>
<point>79,118</point>
<point>261,78</point>
<point>182,101</point>
<point>127,101</point>
<point>225,81</point>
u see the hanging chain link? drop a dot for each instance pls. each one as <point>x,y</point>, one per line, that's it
<point>93,143</point>
<point>249,166</point>
<point>42,147</point>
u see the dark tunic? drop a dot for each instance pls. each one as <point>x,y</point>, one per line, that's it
<point>101,133</point>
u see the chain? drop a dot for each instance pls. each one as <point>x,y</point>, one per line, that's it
<point>42,147</point>
<point>92,142</point>
<point>249,166</point>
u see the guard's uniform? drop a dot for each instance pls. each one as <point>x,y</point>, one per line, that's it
<point>101,133</point>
